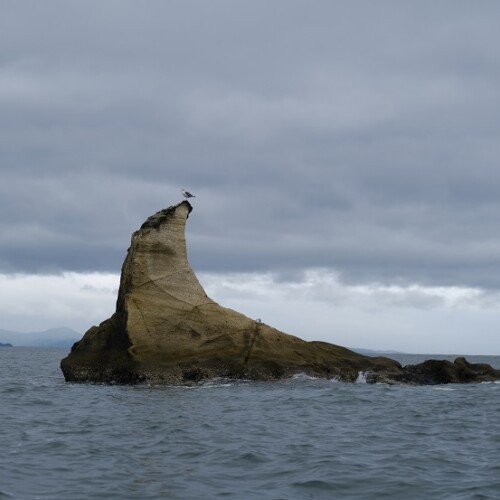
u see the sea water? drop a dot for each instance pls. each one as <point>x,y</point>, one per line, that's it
<point>301,438</point>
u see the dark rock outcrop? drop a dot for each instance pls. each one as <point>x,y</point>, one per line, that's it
<point>167,330</point>
<point>434,371</point>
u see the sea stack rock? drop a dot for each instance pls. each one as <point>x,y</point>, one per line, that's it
<point>167,330</point>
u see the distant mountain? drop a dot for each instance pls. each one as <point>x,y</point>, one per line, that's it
<point>5,345</point>
<point>53,337</point>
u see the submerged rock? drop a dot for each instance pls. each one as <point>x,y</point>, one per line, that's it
<point>167,330</point>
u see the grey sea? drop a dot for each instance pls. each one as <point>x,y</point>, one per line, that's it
<point>296,439</point>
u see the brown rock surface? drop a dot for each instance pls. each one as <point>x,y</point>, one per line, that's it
<point>167,330</point>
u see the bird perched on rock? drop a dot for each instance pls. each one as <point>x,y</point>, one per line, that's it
<point>187,194</point>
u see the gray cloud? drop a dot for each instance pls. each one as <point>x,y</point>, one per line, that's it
<point>361,137</point>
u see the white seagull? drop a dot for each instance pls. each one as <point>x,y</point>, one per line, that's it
<point>187,194</point>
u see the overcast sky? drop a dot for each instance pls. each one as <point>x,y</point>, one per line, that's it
<point>344,157</point>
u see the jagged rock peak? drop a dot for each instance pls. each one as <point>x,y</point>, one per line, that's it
<point>162,216</point>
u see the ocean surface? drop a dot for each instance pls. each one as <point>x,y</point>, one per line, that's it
<point>296,439</point>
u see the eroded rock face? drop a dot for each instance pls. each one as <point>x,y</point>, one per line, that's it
<point>167,330</point>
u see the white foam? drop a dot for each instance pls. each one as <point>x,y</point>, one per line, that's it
<point>218,382</point>
<point>303,376</point>
<point>361,378</point>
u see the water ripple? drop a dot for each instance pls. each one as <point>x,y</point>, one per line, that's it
<point>296,439</point>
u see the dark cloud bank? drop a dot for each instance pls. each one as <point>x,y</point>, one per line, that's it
<point>359,136</point>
